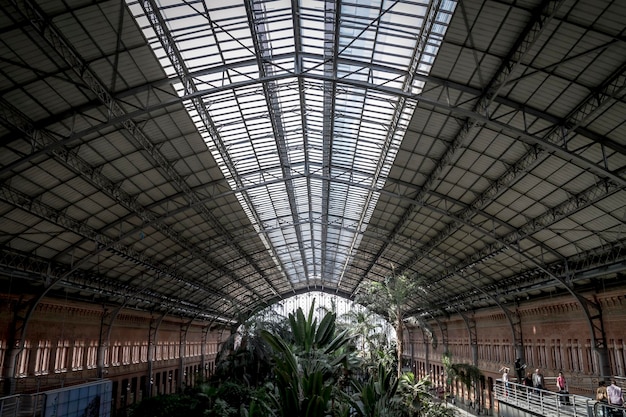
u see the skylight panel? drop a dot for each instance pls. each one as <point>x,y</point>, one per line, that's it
<point>303,128</point>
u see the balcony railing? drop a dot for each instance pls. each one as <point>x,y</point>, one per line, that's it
<point>550,403</point>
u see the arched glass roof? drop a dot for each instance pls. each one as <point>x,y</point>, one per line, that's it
<point>202,158</point>
<point>323,114</point>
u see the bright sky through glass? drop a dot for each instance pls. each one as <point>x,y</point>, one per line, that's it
<point>302,109</point>
<point>324,303</point>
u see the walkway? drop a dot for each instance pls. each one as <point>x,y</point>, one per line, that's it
<point>546,403</point>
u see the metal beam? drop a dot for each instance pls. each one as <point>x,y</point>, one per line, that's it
<point>332,19</point>
<point>42,139</point>
<point>153,331</point>
<point>52,35</point>
<point>43,272</point>
<point>103,242</point>
<point>262,48</point>
<point>159,26</point>
<point>509,64</point>
<point>400,107</point>
<point>470,324</point>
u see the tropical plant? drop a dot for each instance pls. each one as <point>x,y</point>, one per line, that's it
<point>363,325</point>
<point>377,396</point>
<point>415,393</point>
<point>311,376</point>
<point>437,410</point>
<point>389,299</point>
<point>468,374</point>
<point>245,355</point>
<point>260,404</point>
<point>307,367</point>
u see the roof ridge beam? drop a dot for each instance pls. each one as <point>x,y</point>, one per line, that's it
<point>523,44</point>
<point>169,45</point>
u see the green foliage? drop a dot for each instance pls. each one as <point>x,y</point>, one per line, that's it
<point>417,399</point>
<point>466,373</point>
<point>221,408</point>
<point>308,366</point>
<point>415,393</point>
<point>244,357</point>
<point>377,397</point>
<point>260,404</point>
<point>311,367</point>
<point>365,327</point>
<point>386,355</point>
<point>389,299</point>
<point>233,393</point>
<point>437,410</point>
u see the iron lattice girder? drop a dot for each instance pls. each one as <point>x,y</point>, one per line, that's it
<point>524,43</point>
<point>444,84</point>
<point>488,121</point>
<point>44,272</point>
<point>559,135</point>
<point>43,139</point>
<point>593,103</point>
<point>19,262</point>
<point>523,134</point>
<point>332,19</point>
<point>561,211</point>
<point>45,28</point>
<point>470,323</point>
<point>190,88</point>
<point>560,149</point>
<point>399,107</point>
<point>103,242</point>
<point>538,278</point>
<point>540,19</point>
<point>107,321</point>
<point>569,206</point>
<point>263,54</point>
<point>577,202</point>
<point>533,30</point>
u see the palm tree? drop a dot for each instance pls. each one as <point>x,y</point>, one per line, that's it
<point>363,325</point>
<point>389,299</point>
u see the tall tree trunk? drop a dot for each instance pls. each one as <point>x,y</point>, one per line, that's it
<point>400,337</point>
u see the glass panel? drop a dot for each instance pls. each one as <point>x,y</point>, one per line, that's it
<point>303,117</point>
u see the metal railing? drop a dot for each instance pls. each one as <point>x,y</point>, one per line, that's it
<point>550,403</point>
<point>21,405</point>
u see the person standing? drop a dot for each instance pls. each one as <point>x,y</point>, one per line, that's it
<point>614,394</point>
<point>561,386</point>
<point>528,384</point>
<point>602,398</point>
<point>528,381</point>
<point>538,380</point>
<point>519,370</point>
<point>505,379</point>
